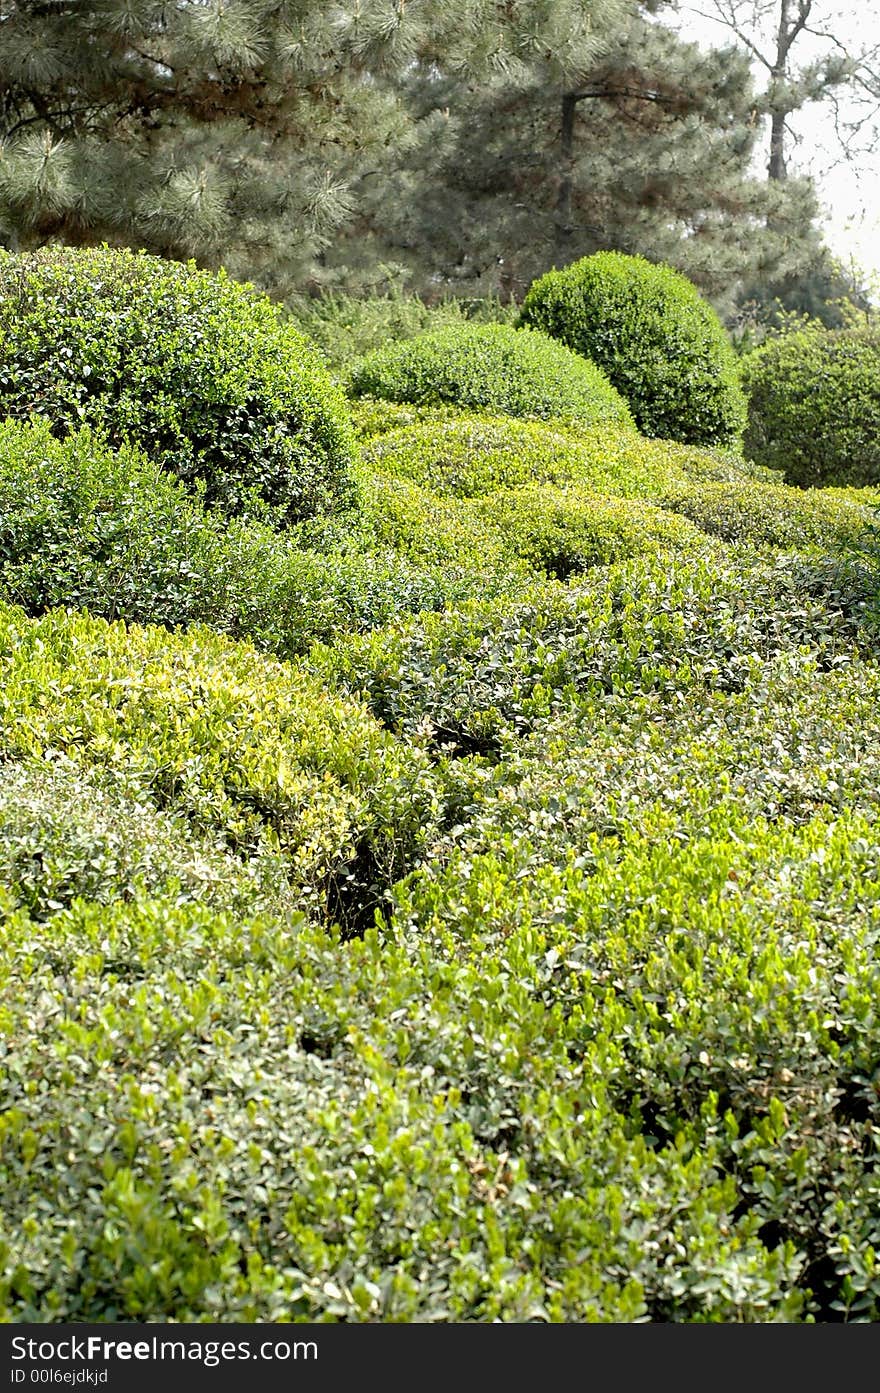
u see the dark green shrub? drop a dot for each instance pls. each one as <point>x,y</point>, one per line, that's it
<point>660,344</point>
<point>814,406</point>
<point>493,368</point>
<point>198,370</point>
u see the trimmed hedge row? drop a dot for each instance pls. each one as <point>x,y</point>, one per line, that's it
<point>466,457</point>
<point>477,678</point>
<point>248,750</point>
<point>88,528</point>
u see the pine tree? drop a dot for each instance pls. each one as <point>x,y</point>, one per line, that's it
<point>235,130</point>
<point>645,148</point>
<point>220,129</point>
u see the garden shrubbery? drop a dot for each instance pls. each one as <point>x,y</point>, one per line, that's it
<point>200,371</point>
<point>493,368</point>
<point>660,344</point>
<point>246,749</point>
<point>91,528</point>
<point>502,949</point>
<point>814,406</point>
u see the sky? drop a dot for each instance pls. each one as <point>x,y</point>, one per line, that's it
<point>849,191</point>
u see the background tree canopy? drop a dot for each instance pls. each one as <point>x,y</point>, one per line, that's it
<point>454,148</point>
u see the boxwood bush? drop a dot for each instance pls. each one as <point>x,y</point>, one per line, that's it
<point>245,748</point>
<point>660,344</point>
<point>773,514</point>
<point>814,406</point>
<point>565,531</point>
<point>494,368</point>
<point>200,371</point>
<point>110,531</point>
<point>70,833</point>
<point>470,456</point>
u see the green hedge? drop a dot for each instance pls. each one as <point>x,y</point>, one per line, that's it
<point>69,833</point>
<point>466,457</point>
<point>494,368</point>
<point>111,532</point>
<point>482,675</point>
<point>564,531</point>
<point>773,514</point>
<point>660,344</point>
<point>814,406</point>
<point>345,327</point>
<point>245,748</point>
<point>200,371</point>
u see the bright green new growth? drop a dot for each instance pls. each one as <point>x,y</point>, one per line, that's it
<point>814,406</point>
<point>200,371</point>
<point>649,330</point>
<point>494,368</point>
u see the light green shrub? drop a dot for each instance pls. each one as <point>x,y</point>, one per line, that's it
<point>772,514</point>
<point>247,749</point>
<point>564,531</point>
<point>345,327</point>
<point>493,368</point>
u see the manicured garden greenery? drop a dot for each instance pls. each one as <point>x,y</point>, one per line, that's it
<point>648,329</point>
<point>493,368</point>
<point>200,371</point>
<point>463,905</point>
<point>814,406</point>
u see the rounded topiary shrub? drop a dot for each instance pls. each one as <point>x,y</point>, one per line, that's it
<point>491,367</point>
<point>814,406</point>
<point>658,341</point>
<point>200,371</point>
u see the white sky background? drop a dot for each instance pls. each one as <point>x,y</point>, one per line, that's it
<point>849,189</point>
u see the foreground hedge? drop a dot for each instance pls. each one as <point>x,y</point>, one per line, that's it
<point>611,1055</point>
<point>493,368</point>
<point>648,329</point>
<point>200,371</point>
<point>814,406</point>
<point>247,750</point>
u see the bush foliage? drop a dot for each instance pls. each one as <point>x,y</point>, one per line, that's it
<point>660,344</point>
<point>814,406</point>
<point>112,532</point>
<point>200,371</point>
<point>504,950</point>
<point>493,368</point>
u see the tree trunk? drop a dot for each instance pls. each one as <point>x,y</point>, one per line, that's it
<point>777,168</point>
<point>564,228</point>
